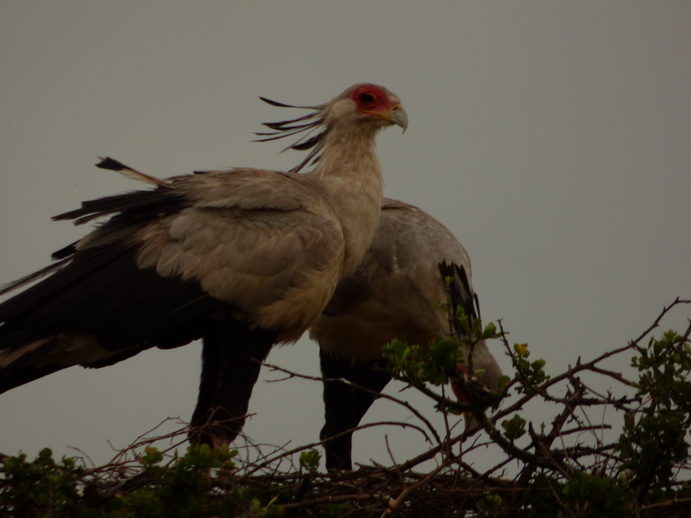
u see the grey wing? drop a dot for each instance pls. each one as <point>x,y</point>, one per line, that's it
<point>272,247</point>
<point>393,292</point>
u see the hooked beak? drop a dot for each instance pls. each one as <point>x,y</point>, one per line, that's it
<point>397,115</point>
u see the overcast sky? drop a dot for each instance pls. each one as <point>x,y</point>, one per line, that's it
<point>553,139</point>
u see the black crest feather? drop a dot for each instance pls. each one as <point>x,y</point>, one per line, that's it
<point>304,125</point>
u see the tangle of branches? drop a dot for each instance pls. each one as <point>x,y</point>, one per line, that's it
<point>615,443</point>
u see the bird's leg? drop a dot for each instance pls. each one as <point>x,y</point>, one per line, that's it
<point>231,360</point>
<point>345,405</point>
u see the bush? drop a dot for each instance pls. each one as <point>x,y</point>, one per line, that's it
<point>563,469</point>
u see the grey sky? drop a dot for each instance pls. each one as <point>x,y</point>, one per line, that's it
<point>553,138</point>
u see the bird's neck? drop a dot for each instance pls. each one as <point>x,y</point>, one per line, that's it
<point>347,149</point>
<point>350,171</point>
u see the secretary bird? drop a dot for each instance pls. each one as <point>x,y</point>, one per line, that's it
<point>243,258</point>
<point>391,295</point>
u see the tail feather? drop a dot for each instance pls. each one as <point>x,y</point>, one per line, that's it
<point>29,362</point>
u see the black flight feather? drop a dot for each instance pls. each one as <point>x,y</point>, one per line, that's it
<point>460,292</point>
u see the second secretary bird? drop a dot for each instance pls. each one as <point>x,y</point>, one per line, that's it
<point>393,294</point>
<point>243,258</point>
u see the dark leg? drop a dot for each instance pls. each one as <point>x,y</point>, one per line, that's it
<point>345,406</point>
<point>231,361</point>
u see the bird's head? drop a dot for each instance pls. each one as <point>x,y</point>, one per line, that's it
<point>366,104</point>
<point>362,106</point>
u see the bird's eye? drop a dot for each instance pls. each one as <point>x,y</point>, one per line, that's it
<point>366,98</point>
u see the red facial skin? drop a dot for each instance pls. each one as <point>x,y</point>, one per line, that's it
<point>460,395</point>
<point>373,98</point>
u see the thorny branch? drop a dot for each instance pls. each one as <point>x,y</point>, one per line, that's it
<point>572,443</point>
